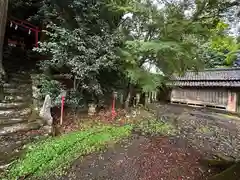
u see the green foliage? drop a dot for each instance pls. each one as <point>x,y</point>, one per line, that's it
<point>213,59</point>
<point>155,127</point>
<point>50,87</point>
<point>173,40</point>
<point>222,48</point>
<point>84,45</point>
<point>92,41</point>
<point>74,99</point>
<point>147,81</point>
<point>163,38</point>
<point>23,9</point>
<point>55,153</point>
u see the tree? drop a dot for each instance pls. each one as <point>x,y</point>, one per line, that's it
<point>3,20</point>
<point>82,40</point>
<point>165,38</point>
<point>222,49</point>
<point>92,38</point>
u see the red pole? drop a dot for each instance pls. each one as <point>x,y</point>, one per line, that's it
<point>62,108</point>
<point>114,114</point>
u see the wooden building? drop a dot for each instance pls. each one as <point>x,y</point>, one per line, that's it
<point>216,88</point>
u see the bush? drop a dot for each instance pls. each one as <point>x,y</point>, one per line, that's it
<point>50,87</point>
<point>74,99</point>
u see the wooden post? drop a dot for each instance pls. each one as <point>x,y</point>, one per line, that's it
<point>114,114</point>
<point>62,110</point>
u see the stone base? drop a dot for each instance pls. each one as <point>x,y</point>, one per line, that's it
<point>48,129</point>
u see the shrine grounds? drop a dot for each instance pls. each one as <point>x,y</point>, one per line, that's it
<point>166,143</point>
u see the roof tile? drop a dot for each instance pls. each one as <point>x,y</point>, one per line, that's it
<point>206,83</point>
<point>211,74</point>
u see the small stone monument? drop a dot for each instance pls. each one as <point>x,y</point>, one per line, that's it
<point>138,96</point>
<point>92,109</point>
<point>45,113</point>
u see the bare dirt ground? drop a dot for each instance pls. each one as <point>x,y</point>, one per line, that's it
<point>141,158</point>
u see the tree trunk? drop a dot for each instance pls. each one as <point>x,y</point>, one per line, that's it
<point>3,20</point>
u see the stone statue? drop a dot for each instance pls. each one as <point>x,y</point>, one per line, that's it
<point>45,112</point>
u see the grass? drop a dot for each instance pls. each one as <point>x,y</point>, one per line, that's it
<point>53,154</point>
<point>155,127</point>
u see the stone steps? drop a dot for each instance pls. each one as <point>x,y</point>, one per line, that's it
<point>20,92</point>
<point>15,108</point>
<point>13,105</point>
<point>19,80</point>
<point>17,98</point>
<point>18,75</point>
<point>16,86</point>
<point>15,113</point>
<point>8,121</point>
<point>8,129</point>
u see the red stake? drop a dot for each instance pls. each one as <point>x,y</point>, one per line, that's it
<point>114,114</point>
<point>62,106</point>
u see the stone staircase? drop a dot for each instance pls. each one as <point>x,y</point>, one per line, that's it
<point>16,118</point>
<point>15,106</point>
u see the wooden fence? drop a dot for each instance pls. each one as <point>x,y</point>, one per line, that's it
<point>193,96</point>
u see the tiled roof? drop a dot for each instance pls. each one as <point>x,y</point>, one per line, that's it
<point>212,74</point>
<point>206,83</point>
<point>211,77</point>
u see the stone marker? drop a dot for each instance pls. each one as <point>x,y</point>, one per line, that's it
<point>45,111</point>
<point>45,114</point>
<point>92,109</point>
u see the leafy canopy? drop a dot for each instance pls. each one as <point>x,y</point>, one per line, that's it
<point>81,39</point>
<point>96,39</point>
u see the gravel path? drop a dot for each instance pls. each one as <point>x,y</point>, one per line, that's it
<point>206,130</point>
